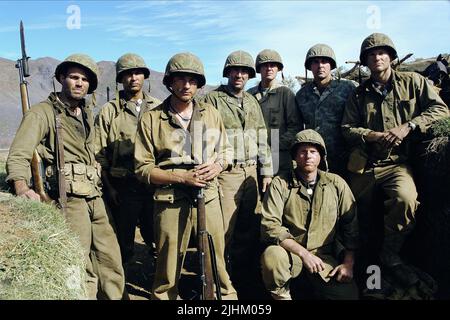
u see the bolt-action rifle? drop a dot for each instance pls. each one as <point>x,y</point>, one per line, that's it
<point>37,169</point>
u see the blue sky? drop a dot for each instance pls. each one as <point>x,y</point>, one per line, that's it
<point>212,29</point>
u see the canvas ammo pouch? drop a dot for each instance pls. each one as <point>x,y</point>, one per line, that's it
<point>164,195</point>
<point>81,180</point>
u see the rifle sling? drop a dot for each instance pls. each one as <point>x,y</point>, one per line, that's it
<point>60,162</point>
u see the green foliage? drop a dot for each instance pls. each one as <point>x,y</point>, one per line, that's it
<point>40,258</point>
<point>441,128</point>
<point>3,184</point>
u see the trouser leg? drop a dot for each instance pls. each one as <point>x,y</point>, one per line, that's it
<point>278,267</point>
<point>173,225</point>
<point>106,250</point>
<point>77,217</point>
<point>401,204</point>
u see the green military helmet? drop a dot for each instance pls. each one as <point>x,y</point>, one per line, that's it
<point>320,50</point>
<point>130,61</point>
<point>310,136</point>
<point>239,59</point>
<point>377,40</point>
<point>83,61</point>
<point>266,56</point>
<point>185,62</point>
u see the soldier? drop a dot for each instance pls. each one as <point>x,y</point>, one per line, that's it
<point>381,119</point>
<point>247,134</point>
<point>168,145</point>
<point>322,101</point>
<point>85,211</point>
<point>116,125</point>
<point>278,107</point>
<point>309,221</point>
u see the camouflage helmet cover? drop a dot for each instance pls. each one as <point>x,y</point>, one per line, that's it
<point>268,55</point>
<point>185,62</point>
<point>377,40</point>
<point>239,59</point>
<point>310,136</point>
<point>81,60</point>
<point>320,50</point>
<point>130,61</point>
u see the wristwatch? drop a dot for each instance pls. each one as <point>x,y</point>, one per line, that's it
<point>412,125</point>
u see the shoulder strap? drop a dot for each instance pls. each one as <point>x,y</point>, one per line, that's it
<point>60,162</point>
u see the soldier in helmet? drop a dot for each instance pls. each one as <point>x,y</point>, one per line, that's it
<point>382,118</point>
<point>278,107</point>
<point>310,226</point>
<point>181,145</point>
<point>116,125</point>
<point>247,134</point>
<point>84,211</point>
<point>321,103</point>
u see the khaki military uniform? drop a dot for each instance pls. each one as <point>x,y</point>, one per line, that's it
<point>162,142</point>
<point>324,223</point>
<point>247,134</point>
<point>85,211</point>
<point>408,98</point>
<point>282,121</point>
<point>116,127</point>
<point>323,112</point>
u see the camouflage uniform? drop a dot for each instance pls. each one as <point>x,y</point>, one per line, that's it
<point>280,114</point>
<point>85,211</point>
<point>324,223</point>
<point>161,142</point>
<point>323,111</point>
<point>116,126</point>
<point>407,98</point>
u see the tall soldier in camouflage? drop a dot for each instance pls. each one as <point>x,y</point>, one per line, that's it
<point>381,120</point>
<point>247,134</point>
<point>85,211</point>
<point>309,222</point>
<point>181,145</point>
<point>322,101</point>
<point>116,125</point>
<point>278,107</point>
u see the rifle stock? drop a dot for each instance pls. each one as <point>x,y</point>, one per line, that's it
<point>204,252</point>
<point>36,162</point>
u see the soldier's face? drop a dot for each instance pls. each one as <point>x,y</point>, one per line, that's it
<point>75,83</point>
<point>321,68</point>
<point>133,81</point>
<point>237,78</point>
<point>307,157</point>
<point>268,71</point>
<point>184,86</point>
<point>378,60</point>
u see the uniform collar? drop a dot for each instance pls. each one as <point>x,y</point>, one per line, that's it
<point>61,106</point>
<point>166,114</point>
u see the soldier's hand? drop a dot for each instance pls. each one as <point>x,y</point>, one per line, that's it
<point>312,263</point>
<point>23,191</point>
<point>343,273</point>
<point>191,179</point>
<point>266,183</point>
<point>395,136</point>
<point>208,171</point>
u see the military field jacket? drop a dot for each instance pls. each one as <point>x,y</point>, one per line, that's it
<point>410,99</point>
<point>323,113</point>
<point>324,224</point>
<point>115,133</point>
<point>162,142</point>
<point>37,130</point>
<point>245,127</point>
